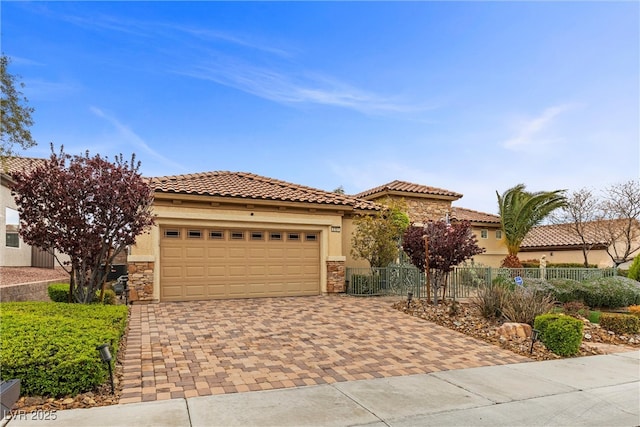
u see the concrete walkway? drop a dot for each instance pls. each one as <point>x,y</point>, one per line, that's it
<point>586,391</point>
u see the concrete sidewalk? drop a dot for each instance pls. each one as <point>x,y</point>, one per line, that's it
<point>586,391</point>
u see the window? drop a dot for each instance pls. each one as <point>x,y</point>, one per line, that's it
<point>311,237</point>
<point>275,236</point>
<point>293,236</point>
<point>498,234</point>
<point>216,235</point>
<point>172,234</point>
<point>12,225</point>
<point>195,234</point>
<point>484,233</point>
<point>237,235</point>
<point>257,235</point>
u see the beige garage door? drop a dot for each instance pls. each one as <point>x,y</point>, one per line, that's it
<point>216,263</point>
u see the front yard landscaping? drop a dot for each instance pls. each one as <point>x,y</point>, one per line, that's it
<point>51,347</point>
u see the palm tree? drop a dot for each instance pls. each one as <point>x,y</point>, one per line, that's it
<point>521,210</point>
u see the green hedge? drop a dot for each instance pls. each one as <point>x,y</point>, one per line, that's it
<point>59,292</point>
<point>51,347</point>
<point>561,334</point>
<point>604,292</point>
<point>620,323</point>
<point>612,292</point>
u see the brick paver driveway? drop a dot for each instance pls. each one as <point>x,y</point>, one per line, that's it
<point>191,349</point>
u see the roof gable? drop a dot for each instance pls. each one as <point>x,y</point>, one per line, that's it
<point>408,188</point>
<point>462,214</point>
<point>563,235</point>
<point>244,185</point>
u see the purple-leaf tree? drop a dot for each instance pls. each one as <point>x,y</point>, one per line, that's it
<point>85,207</point>
<point>449,245</point>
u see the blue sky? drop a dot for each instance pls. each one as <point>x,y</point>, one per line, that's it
<point>471,97</point>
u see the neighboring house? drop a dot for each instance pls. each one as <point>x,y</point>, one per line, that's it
<point>426,203</point>
<point>559,243</point>
<point>13,251</point>
<point>233,234</point>
<point>488,231</point>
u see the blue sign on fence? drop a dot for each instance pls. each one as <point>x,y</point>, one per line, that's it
<point>518,280</point>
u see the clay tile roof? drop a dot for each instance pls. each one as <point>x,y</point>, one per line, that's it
<point>462,214</point>
<point>244,185</point>
<point>10,165</point>
<point>407,187</point>
<point>562,235</point>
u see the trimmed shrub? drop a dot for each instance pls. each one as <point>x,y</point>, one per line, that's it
<point>58,292</point>
<point>565,290</point>
<point>51,348</point>
<point>561,334</point>
<point>611,292</point>
<point>620,323</point>
<point>522,305</point>
<point>634,270</point>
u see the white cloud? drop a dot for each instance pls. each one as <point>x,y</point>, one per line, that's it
<point>535,132</point>
<point>288,88</point>
<point>130,137</point>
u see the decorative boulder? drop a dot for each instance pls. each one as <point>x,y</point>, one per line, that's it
<point>514,331</point>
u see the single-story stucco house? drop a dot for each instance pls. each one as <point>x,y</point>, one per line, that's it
<point>236,234</point>
<point>559,243</point>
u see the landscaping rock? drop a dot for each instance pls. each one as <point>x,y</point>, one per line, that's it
<point>514,331</point>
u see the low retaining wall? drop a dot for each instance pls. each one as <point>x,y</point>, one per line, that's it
<point>34,291</point>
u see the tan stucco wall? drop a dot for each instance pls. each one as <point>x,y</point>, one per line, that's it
<point>11,257</point>
<point>147,247</point>
<point>495,248</point>
<point>348,228</point>
<point>598,257</point>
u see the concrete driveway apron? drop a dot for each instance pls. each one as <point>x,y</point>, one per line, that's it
<point>188,349</point>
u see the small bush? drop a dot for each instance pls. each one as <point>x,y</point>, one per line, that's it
<point>51,347</point>
<point>620,323</point>
<point>109,297</point>
<point>361,284</point>
<point>635,310</point>
<point>594,316</point>
<point>611,292</point>
<point>58,292</point>
<point>634,270</point>
<point>576,308</point>
<point>489,300</point>
<point>522,305</point>
<point>561,334</point>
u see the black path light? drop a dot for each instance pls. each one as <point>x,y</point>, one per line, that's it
<point>106,357</point>
<point>535,336</point>
<point>409,298</point>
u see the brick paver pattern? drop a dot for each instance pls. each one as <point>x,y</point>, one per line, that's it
<point>188,349</point>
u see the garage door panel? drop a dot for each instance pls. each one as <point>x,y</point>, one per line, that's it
<point>195,272</point>
<point>195,253</point>
<point>171,252</point>
<point>172,272</point>
<point>217,268</point>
